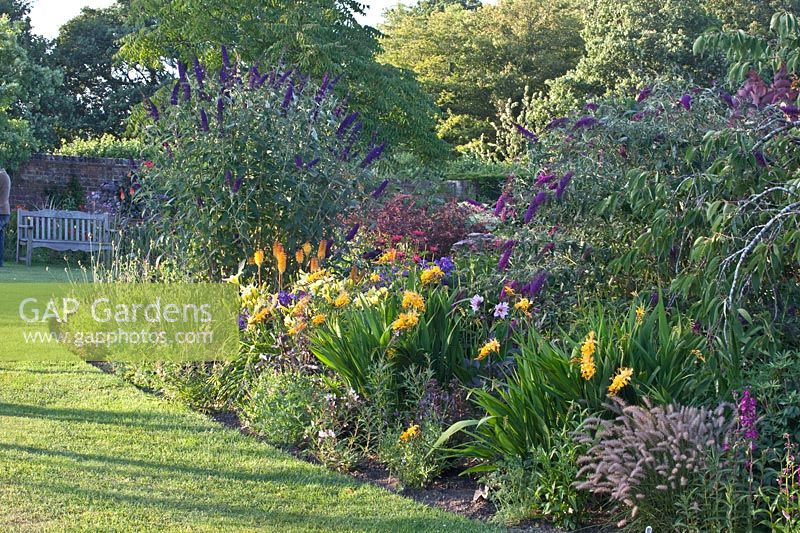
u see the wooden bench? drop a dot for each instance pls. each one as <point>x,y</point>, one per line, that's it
<point>62,231</point>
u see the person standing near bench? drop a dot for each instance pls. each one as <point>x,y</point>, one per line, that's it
<point>5,210</point>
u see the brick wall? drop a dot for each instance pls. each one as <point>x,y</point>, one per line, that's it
<point>48,174</point>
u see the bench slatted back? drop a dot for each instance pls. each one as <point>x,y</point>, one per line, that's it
<point>49,225</point>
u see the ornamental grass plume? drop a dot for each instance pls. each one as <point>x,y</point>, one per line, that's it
<point>648,458</point>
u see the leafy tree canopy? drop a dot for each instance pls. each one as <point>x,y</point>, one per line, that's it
<point>102,91</point>
<point>468,57</point>
<point>318,36</point>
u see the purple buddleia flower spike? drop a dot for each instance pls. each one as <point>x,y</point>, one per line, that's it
<point>585,122</point>
<point>289,95</point>
<point>220,109</point>
<point>380,189</point>
<point>228,177</point>
<point>355,131</point>
<point>562,184</point>
<point>311,163</point>
<point>253,77</point>
<point>544,178</point>
<point>373,154</point>
<point>644,94</point>
<point>557,123</point>
<point>728,99</point>
<point>199,73</point>
<point>284,76</point>
<point>505,257</point>
<point>298,161</point>
<point>346,123</point>
<point>187,91</point>
<point>686,102</point>
<point>323,89</point>
<point>591,106</point>
<point>203,120</point>
<point>549,247</point>
<point>152,110</point>
<point>226,60</point>
<point>526,133</point>
<point>223,77</point>
<point>536,285</point>
<point>538,200</point>
<point>500,204</point>
<point>173,99</point>
<point>181,70</point>
<point>237,184</point>
<point>654,299</point>
<point>352,233</point>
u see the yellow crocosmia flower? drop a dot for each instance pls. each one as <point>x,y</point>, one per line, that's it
<point>405,321</point>
<point>699,355</point>
<point>509,290</point>
<point>640,314</point>
<point>491,346</point>
<point>299,256</point>
<point>342,300</point>
<point>259,316</point>
<point>374,277</point>
<point>413,300</point>
<point>618,382</point>
<point>410,433</point>
<point>389,256</point>
<point>523,305</point>
<point>589,346</point>
<point>431,275</point>
<point>258,257</point>
<point>297,328</point>
<point>318,320</point>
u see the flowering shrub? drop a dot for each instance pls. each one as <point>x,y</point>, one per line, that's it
<point>425,228</point>
<point>247,158</point>
<point>407,451</point>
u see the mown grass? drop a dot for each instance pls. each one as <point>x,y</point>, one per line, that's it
<point>83,450</point>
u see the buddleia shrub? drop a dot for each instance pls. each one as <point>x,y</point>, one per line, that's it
<point>648,458</point>
<point>245,159</point>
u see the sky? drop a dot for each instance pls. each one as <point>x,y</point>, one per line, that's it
<point>47,16</point>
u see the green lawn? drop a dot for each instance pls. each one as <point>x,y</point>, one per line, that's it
<point>81,449</point>
<point>17,272</point>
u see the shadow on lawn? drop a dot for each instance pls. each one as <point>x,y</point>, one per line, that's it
<point>151,421</point>
<point>265,514</point>
<point>295,473</point>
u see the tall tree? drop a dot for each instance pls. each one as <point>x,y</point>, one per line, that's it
<point>37,98</point>
<point>17,141</point>
<point>318,36</point>
<point>469,58</point>
<point>102,90</point>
